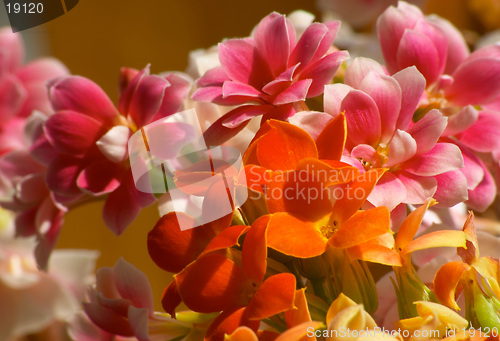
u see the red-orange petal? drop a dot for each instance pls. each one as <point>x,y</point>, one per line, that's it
<point>328,172</point>
<point>331,140</point>
<point>354,195</point>
<point>212,283</point>
<point>446,281</point>
<point>300,312</point>
<point>227,322</point>
<point>170,299</point>
<point>172,249</point>
<point>227,238</point>
<point>254,253</point>
<point>375,253</point>
<point>294,237</point>
<point>274,296</point>
<point>283,146</point>
<point>362,227</point>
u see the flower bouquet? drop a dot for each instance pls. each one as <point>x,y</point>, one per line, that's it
<point>304,193</point>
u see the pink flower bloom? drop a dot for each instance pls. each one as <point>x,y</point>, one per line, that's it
<point>25,192</point>
<point>22,88</point>
<point>379,111</point>
<point>269,74</point>
<point>85,141</point>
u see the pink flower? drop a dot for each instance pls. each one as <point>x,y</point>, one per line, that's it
<point>379,111</point>
<point>85,141</point>
<point>22,88</point>
<point>269,74</point>
<point>25,192</point>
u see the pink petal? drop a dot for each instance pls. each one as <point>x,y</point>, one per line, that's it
<point>281,113</point>
<point>146,99</point>
<point>418,188</point>
<point>327,41</point>
<point>311,121</point>
<point>457,48</point>
<point>461,120</point>
<point>391,26</point>
<point>281,82</point>
<point>242,62</point>
<point>218,132</point>
<point>62,174</point>
<point>428,130</point>
<point>138,319</point>
<point>72,133</point>
<point>308,44</point>
<point>48,221</point>
<point>42,70</point>
<point>332,99</point>
<point>12,50</point>
<point>133,284</point>
<point>412,84</point>
<point>12,97</point>
<point>294,93</point>
<point>359,69</point>
<point>475,82</point>
<point>214,94</point>
<point>215,76</point>
<point>367,154</point>
<point>386,93</point>
<point>402,147</point>
<point>442,158</point>
<point>242,114</point>
<point>231,88</point>
<point>436,35</point>
<point>100,177</point>
<point>32,188</point>
<point>488,51</point>
<point>19,163</point>
<point>451,188</point>
<point>473,167</point>
<point>484,134</point>
<point>363,118</point>
<point>481,197</point>
<point>124,204</point>
<point>417,49</point>
<point>388,192</point>
<point>81,95</point>
<point>275,39</point>
<point>322,71</point>
<point>175,94</point>
<point>107,319</point>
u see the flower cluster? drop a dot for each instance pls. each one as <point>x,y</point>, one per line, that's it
<point>315,207</point>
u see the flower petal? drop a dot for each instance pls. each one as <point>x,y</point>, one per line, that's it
<point>331,141</point>
<point>442,158</point>
<point>428,130</point>
<point>446,282</point>
<point>412,84</point>
<point>133,284</point>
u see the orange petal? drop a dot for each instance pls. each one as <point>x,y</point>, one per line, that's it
<point>254,253</point>
<point>446,280</point>
<point>300,194</point>
<point>355,194</point>
<point>242,334</point>
<point>283,146</point>
<point>435,239</point>
<point>170,299</point>
<point>254,177</point>
<point>300,312</point>
<point>328,172</point>
<point>227,322</point>
<point>489,268</point>
<point>331,140</point>
<point>218,200</point>
<point>376,252</point>
<point>274,296</point>
<point>471,253</point>
<point>362,227</point>
<point>172,249</point>
<point>212,283</point>
<point>294,237</point>
<point>411,225</point>
<point>227,238</point>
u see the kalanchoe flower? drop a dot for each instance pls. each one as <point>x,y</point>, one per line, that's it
<point>380,133</point>
<point>269,74</point>
<point>25,192</point>
<point>22,88</point>
<point>479,279</point>
<point>89,136</point>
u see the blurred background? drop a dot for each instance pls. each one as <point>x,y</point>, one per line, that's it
<point>97,38</point>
